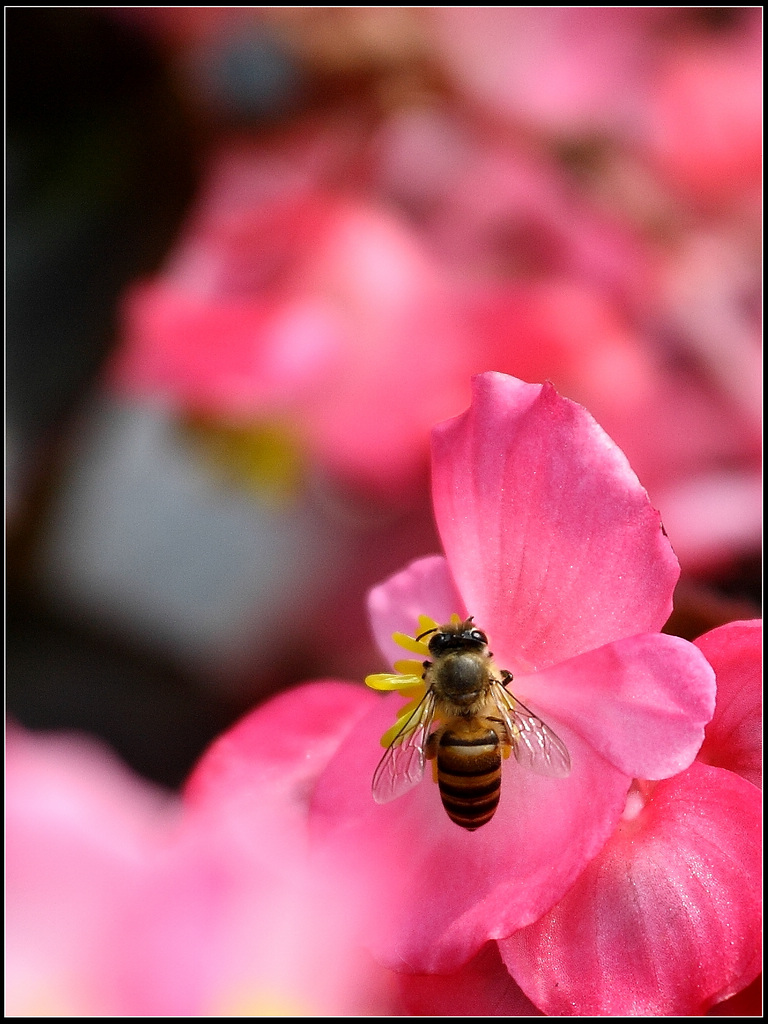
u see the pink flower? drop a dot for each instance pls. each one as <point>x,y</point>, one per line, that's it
<point>120,902</point>
<point>667,919</point>
<point>551,544</point>
<point>80,836</point>
<point>285,303</point>
<point>568,70</point>
<point>705,113</point>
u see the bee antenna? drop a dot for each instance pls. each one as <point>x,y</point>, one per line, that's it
<point>427,632</point>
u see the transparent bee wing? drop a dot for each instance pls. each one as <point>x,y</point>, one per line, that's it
<point>533,743</point>
<point>402,765</point>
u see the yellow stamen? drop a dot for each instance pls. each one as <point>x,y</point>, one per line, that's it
<point>408,642</point>
<point>390,681</point>
<point>406,667</point>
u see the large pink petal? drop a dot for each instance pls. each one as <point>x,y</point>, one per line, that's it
<point>642,703</point>
<point>734,736</point>
<point>266,764</point>
<point>552,541</point>
<point>425,587</point>
<point>666,920</point>
<point>439,891</point>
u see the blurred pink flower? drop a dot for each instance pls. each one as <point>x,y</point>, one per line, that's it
<point>551,543</point>
<point>297,306</point>
<point>497,209</point>
<point>81,834</point>
<point>120,902</point>
<point>704,130</point>
<point>287,303</point>
<point>566,70</point>
<point>667,919</point>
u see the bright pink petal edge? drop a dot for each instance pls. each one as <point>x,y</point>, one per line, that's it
<point>551,539</point>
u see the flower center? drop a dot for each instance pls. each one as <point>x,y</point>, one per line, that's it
<point>638,796</point>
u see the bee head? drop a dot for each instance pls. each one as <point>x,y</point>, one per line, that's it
<point>463,636</point>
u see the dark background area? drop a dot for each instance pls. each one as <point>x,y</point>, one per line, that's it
<point>101,165</point>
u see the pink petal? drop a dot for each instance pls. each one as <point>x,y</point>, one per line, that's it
<point>229,355</point>
<point>425,587</point>
<point>666,920</point>
<point>261,921</point>
<point>82,835</point>
<point>483,987</point>
<point>552,541</point>
<point>372,415</point>
<point>642,703</point>
<point>734,736</point>
<point>566,69</point>
<point>268,762</point>
<point>441,892</point>
<point>705,122</point>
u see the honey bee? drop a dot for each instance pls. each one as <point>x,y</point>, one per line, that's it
<point>480,722</point>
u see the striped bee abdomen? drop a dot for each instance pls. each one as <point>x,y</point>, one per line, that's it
<point>469,775</point>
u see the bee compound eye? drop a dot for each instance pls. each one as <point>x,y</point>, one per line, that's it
<point>439,643</point>
<point>479,635</point>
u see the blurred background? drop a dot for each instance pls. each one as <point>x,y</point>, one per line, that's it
<point>253,254</point>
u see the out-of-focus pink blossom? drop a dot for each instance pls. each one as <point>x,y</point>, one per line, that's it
<point>299,302</point>
<point>498,209</point>
<point>287,303</point>
<point>119,902</point>
<point>709,292</point>
<point>568,70</point>
<point>552,545</point>
<point>704,128</point>
<point>81,834</point>
<point>667,919</point>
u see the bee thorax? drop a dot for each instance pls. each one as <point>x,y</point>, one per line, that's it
<point>461,679</point>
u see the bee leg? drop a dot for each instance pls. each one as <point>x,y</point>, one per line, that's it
<point>430,751</point>
<point>506,677</point>
<point>499,726</point>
